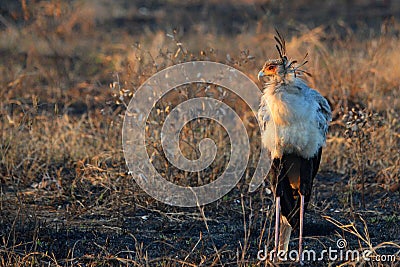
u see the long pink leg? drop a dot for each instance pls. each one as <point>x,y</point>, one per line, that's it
<point>301,229</point>
<point>277,218</point>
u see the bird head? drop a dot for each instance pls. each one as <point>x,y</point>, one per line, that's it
<point>272,68</point>
<point>281,70</point>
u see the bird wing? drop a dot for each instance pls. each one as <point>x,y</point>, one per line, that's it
<point>323,114</point>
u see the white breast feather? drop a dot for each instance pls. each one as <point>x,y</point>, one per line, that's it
<point>296,121</point>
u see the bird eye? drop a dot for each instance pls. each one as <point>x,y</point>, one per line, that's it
<point>271,67</point>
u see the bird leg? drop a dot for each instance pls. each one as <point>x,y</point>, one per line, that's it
<point>277,219</point>
<point>301,229</point>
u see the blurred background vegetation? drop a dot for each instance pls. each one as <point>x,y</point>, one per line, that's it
<point>68,69</point>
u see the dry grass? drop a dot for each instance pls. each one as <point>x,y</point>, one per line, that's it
<point>65,83</point>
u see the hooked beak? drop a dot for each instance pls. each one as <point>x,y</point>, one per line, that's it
<point>260,74</point>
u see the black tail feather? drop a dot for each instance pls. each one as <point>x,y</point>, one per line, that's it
<point>290,200</point>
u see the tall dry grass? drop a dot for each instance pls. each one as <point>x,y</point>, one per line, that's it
<point>65,85</point>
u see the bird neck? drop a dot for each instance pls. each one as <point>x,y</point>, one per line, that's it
<point>280,83</point>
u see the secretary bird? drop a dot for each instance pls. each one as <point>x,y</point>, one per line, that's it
<point>295,120</point>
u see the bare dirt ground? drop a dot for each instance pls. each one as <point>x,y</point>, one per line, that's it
<point>67,70</point>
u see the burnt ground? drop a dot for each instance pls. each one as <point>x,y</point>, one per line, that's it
<point>77,222</point>
<point>118,228</point>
